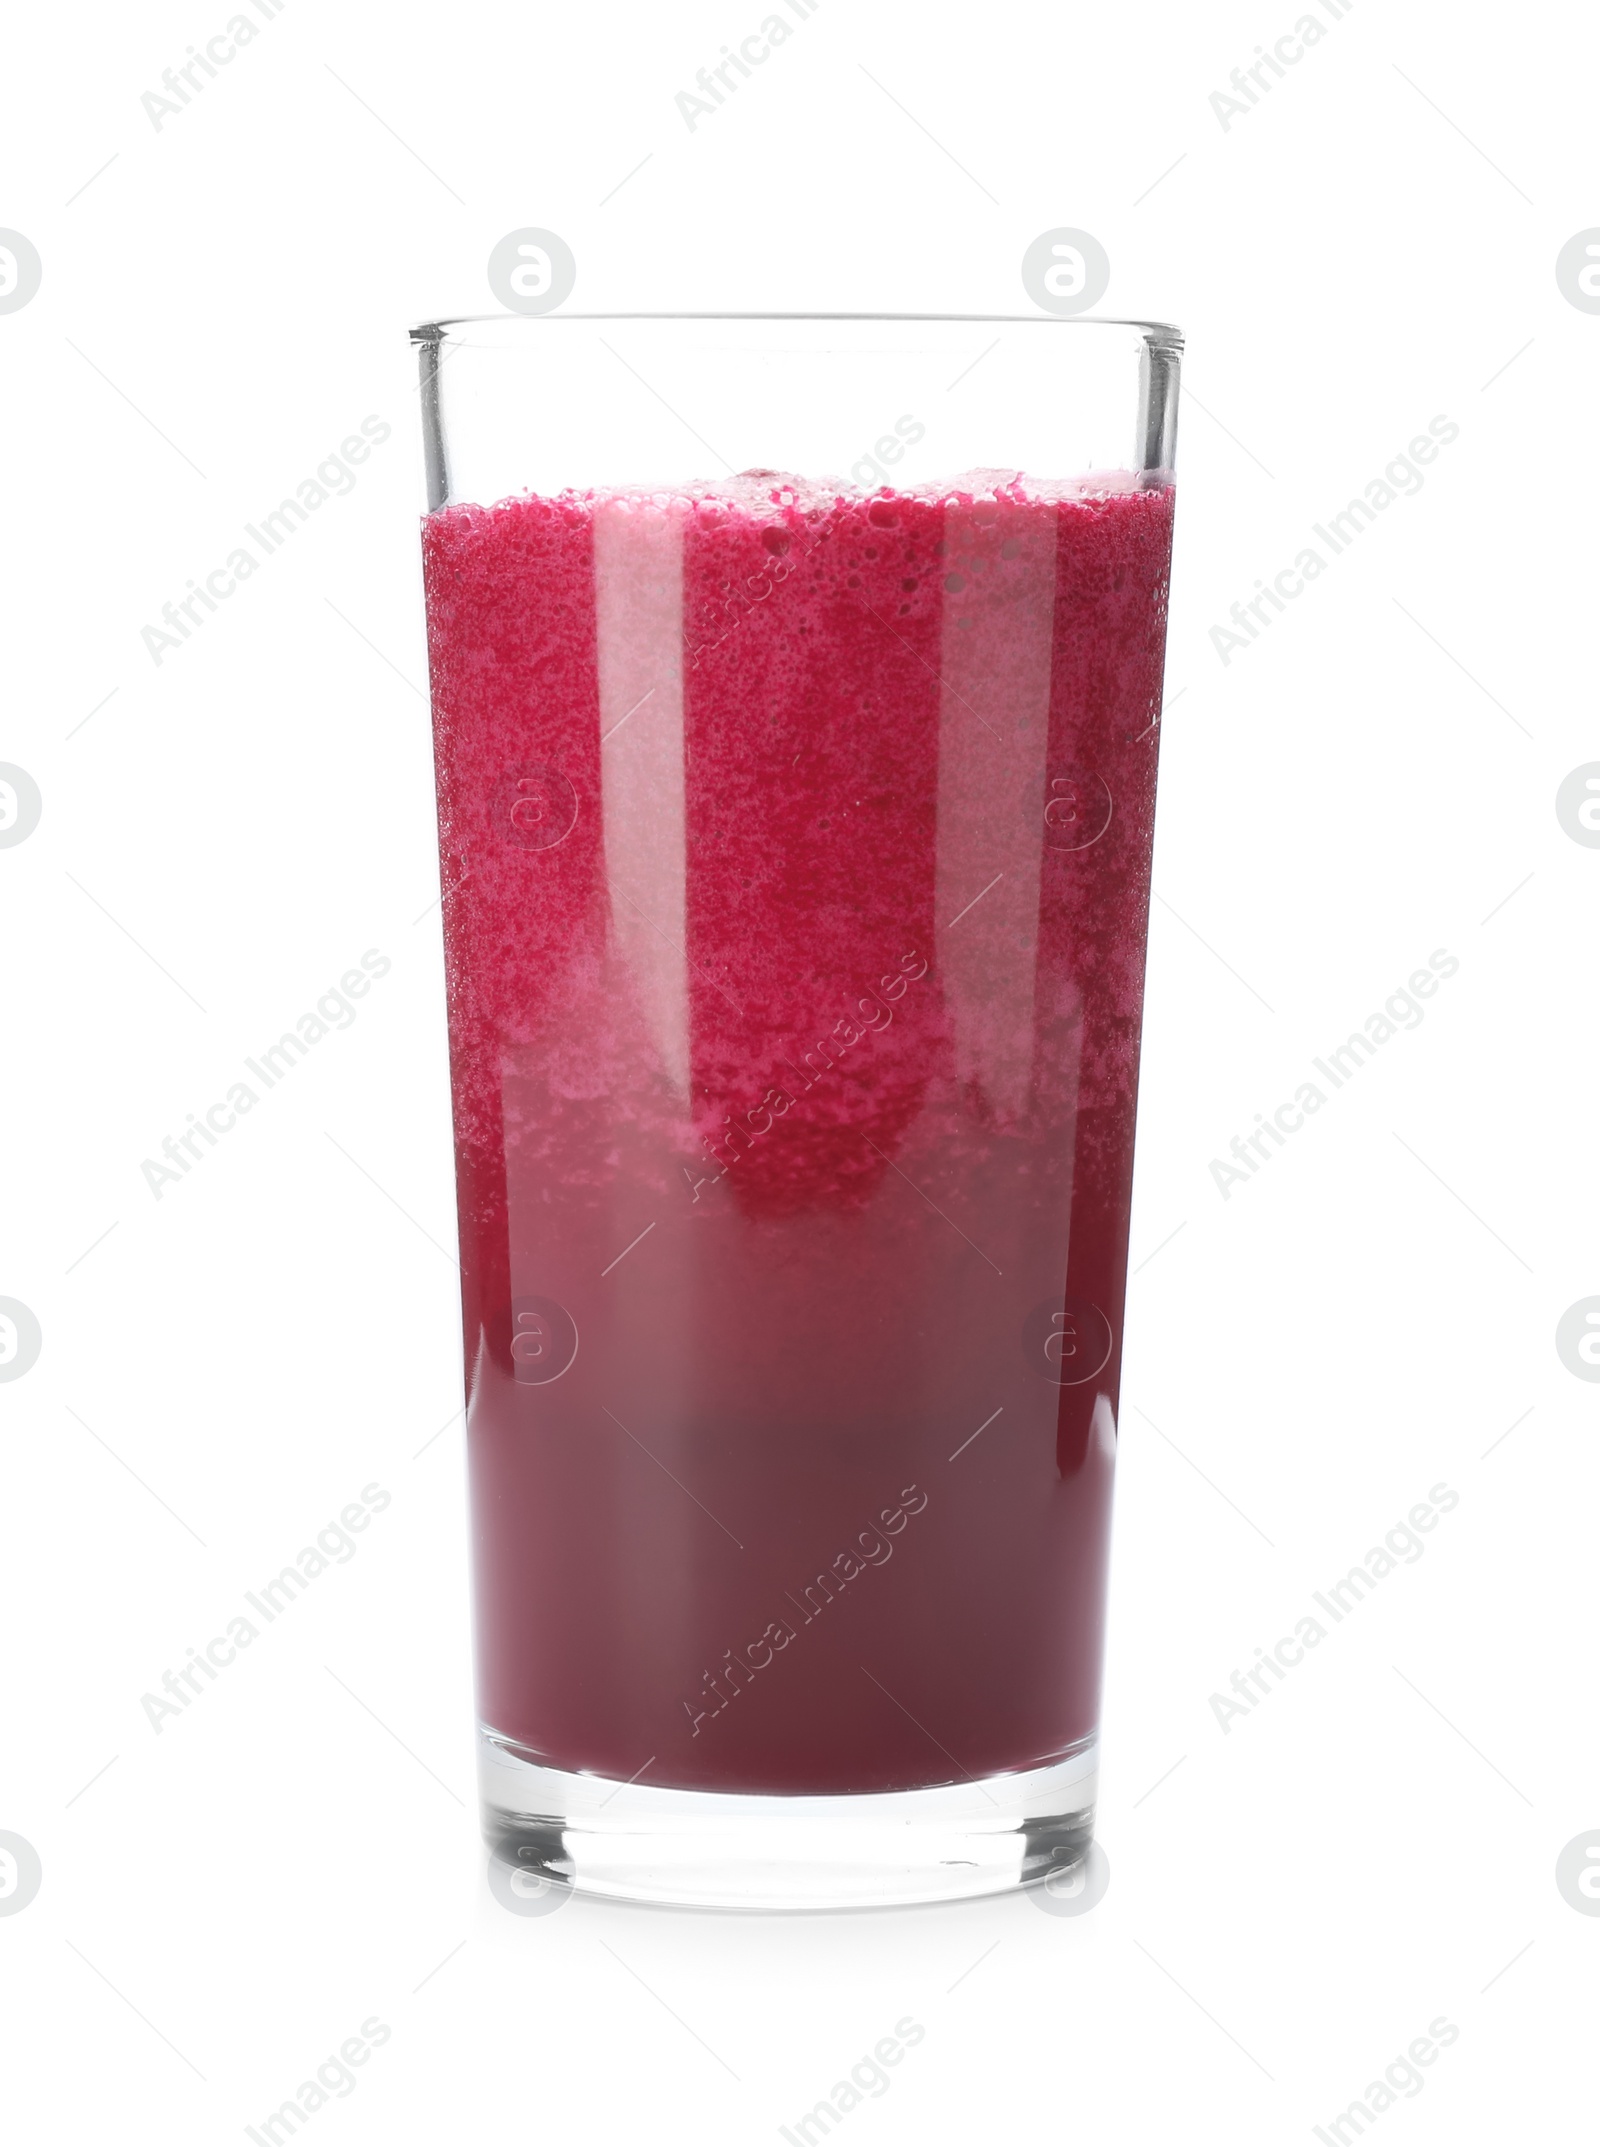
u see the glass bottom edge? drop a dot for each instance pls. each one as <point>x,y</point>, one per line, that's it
<point>695,1848</point>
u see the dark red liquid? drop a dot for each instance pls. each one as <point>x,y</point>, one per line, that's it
<point>796,849</point>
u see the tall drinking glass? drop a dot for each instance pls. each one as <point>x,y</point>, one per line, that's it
<point>796,696</point>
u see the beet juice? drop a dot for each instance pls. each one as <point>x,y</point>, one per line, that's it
<point>795,838</point>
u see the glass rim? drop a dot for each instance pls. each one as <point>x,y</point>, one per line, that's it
<point>1156,345</point>
<point>1162,335</point>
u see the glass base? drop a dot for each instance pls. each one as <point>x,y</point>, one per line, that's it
<point>697,1848</point>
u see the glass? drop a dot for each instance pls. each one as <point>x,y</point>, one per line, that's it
<point>796,691</point>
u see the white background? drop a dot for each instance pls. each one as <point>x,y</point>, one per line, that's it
<point>1292,1902</point>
